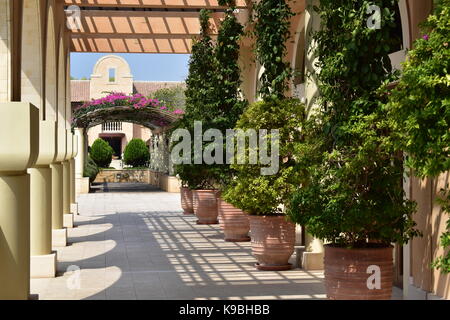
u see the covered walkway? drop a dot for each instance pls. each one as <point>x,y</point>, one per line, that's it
<point>140,246</point>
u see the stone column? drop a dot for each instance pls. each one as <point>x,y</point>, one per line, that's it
<point>73,200</point>
<point>81,182</point>
<point>19,147</point>
<point>68,216</point>
<point>313,256</point>
<point>43,260</point>
<point>59,233</point>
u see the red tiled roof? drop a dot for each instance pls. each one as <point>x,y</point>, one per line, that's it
<point>79,90</point>
<point>147,87</point>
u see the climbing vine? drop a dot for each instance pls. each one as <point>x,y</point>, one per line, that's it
<point>354,194</point>
<point>271,33</point>
<point>419,108</point>
<point>212,94</point>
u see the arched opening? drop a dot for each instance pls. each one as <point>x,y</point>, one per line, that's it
<point>51,98</point>
<point>32,86</point>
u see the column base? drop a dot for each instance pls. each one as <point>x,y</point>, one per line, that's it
<point>68,220</point>
<point>82,185</point>
<point>59,237</point>
<point>312,261</point>
<point>74,208</point>
<point>43,266</point>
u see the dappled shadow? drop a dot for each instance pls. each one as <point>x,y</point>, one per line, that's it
<point>157,253</point>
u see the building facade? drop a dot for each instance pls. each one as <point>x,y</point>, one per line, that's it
<point>112,73</point>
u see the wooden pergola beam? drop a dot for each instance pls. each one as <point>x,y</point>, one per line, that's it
<point>100,22</point>
<point>157,4</point>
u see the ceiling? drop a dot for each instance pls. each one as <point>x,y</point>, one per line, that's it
<point>140,26</point>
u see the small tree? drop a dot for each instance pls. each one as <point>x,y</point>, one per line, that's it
<point>101,153</point>
<point>136,153</point>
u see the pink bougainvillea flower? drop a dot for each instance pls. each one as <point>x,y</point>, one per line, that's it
<point>426,37</point>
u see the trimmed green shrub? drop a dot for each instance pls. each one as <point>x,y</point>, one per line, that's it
<point>253,191</point>
<point>91,169</point>
<point>136,153</point>
<point>101,153</point>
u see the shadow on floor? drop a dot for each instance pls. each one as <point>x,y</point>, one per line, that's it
<point>98,187</point>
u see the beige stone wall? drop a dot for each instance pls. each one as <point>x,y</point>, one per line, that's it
<point>141,176</point>
<point>100,81</point>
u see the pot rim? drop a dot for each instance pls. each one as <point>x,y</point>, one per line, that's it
<point>342,248</point>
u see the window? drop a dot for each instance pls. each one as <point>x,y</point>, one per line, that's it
<point>112,74</point>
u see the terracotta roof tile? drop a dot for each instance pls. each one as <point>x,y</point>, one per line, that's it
<point>80,91</point>
<point>147,87</point>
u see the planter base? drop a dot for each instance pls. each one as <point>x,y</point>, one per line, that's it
<point>201,222</point>
<point>246,239</point>
<point>188,213</point>
<point>273,268</point>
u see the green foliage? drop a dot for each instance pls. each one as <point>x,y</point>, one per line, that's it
<point>101,152</point>
<point>443,262</point>
<point>272,32</point>
<point>259,194</point>
<point>419,107</point>
<point>173,98</point>
<point>212,95</point>
<point>91,169</point>
<point>136,153</point>
<point>420,104</point>
<point>354,192</point>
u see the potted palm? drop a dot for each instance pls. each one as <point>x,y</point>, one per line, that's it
<point>353,197</point>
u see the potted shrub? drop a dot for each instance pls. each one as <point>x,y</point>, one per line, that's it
<point>233,221</point>
<point>262,194</point>
<point>353,197</point>
<point>200,106</point>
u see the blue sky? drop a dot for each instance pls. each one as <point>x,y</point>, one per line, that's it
<point>144,67</point>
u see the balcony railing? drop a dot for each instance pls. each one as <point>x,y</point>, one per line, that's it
<point>112,126</point>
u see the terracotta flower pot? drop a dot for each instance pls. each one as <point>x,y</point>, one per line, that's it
<point>350,272</point>
<point>187,202</point>
<point>273,240</point>
<point>233,221</point>
<point>205,206</point>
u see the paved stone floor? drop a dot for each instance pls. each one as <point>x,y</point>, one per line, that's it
<point>140,246</point>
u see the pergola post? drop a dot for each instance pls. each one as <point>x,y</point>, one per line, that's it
<point>19,147</point>
<point>73,199</point>
<point>43,260</point>
<point>59,233</point>
<point>68,216</point>
<point>81,183</point>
